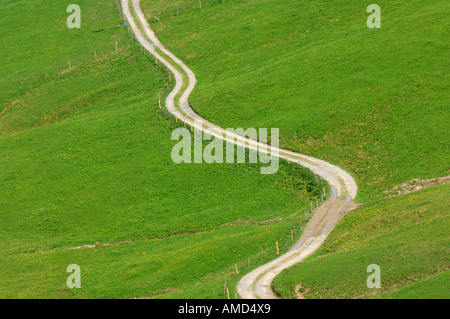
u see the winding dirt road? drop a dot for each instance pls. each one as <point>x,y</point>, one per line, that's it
<point>256,284</point>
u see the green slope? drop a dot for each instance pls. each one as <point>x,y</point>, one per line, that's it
<point>85,154</point>
<point>337,90</point>
<point>406,236</point>
<point>85,158</point>
<point>373,101</point>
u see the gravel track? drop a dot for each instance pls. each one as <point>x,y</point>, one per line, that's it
<point>256,284</point>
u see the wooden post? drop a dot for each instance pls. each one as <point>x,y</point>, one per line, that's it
<point>285,247</point>
<point>317,202</point>
<point>324,191</point>
<point>293,228</point>
<point>159,100</point>
<point>228,294</point>
<point>116,45</point>
<point>200,3</point>
<point>69,65</point>
<point>176,118</point>
<point>237,272</point>
<point>292,235</point>
<point>278,251</point>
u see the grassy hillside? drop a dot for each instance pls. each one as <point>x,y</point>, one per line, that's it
<point>337,90</point>
<point>85,160</point>
<point>373,101</point>
<point>85,152</point>
<point>406,236</point>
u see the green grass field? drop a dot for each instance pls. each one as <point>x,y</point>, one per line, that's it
<point>85,152</point>
<point>373,101</point>
<point>85,158</point>
<point>339,91</point>
<point>407,236</point>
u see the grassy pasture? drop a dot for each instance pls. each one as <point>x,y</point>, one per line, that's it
<point>85,159</point>
<point>407,236</point>
<point>373,101</point>
<point>337,90</point>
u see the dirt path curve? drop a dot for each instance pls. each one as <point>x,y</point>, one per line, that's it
<point>257,283</point>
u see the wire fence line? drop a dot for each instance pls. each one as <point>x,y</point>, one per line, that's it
<point>267,251</point>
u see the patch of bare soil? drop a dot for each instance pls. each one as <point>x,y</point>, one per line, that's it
<point>299,294</point>
<point>416,185</point>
